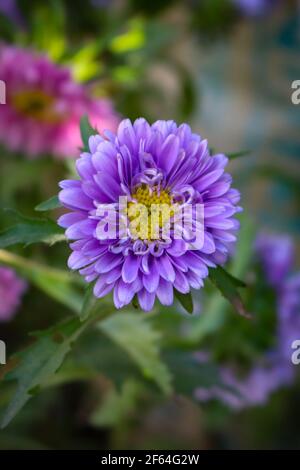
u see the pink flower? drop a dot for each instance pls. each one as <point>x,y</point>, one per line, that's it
<point>44,105</point>
<point>11,290</point>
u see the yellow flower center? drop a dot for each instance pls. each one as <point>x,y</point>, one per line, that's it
<point>37,105</point>
<point>149,212</point>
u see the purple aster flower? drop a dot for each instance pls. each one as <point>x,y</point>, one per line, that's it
<point>275,368</point>
<point>44,106</point>
<point>148,164</point>
<point>11,290</point>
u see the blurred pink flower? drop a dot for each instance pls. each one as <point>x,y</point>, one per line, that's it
<point>11,290</point>
<point>44,106</point>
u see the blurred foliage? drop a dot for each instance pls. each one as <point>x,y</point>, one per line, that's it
<point>213,18</point>
<point>101,378</point>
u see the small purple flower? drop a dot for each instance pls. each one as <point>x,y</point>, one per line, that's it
<point>289,314</point>
<point>101,3</point>
<point>253,390</point>
<point>275,368</point>
<point>162,163</point>
<point>255,7</point>
<point>10,9</point>
<point>276,254</point>
<point>11,290</point>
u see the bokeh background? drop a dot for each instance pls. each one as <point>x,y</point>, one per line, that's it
<point>226,68</point>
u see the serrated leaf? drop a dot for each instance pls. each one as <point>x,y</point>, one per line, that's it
<point>51,203</point>
<point>29,230</point>
<point>56,283</point>
<point>39,362</point>
<point>91,304</point>
<point>117,406</point>
<point>185,300</point>
<point>86,131</point>
<point>98,352</point>
<point>137,337</point>
<point>228,286</point>
<point>225,276</point>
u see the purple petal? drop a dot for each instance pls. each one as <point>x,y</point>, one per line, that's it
<point>151,281</point>
<point>165,292</point>
<point>130,268</point>
<point>165,268</point>
<point>71,218</point>
<point>125,292</point>
<point>168,153</point>
<point>77,260</point>
<point>74,198</point>
<point>101,288</point>
<point>107,262</point>
<point>181,283</point>
<point>146,299</point>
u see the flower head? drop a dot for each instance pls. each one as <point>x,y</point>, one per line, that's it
<point>160,170</point>
<point>11,290</point>
<point>44,106</point>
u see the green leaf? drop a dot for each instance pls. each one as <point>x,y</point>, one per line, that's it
<point>89,301</point>
<point>228,286</point>
<point>190,372</point>
<point>98,352</point>
<point>58,284</point>
<point>244,248</point>
<point>86,131</point>
<point>51,39</point>
<point>136,336</point>
<point>84,63</point>
<point>91,304</point>
<point>242,153</point>
<point>185,300</point>
<point>117,406</point>
<point>50,204</point>
<point>39,362</point>
<point>30,230</point>
<point>133,39</point>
